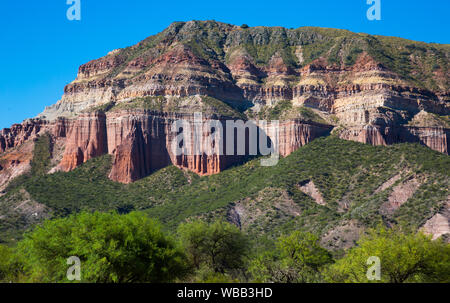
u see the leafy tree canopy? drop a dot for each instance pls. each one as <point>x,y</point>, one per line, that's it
<point>221,246</point>
<point>111,247</point>
<point>299,258</point>
<point>404,257</point>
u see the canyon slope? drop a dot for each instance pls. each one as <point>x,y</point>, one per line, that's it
<point>316,81</point>
<point>112,131</point>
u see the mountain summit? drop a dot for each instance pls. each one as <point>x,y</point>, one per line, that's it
<point>106,145</point>
<point>316,81</point>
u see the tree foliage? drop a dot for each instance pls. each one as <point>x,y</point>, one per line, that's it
<point>220,246</point>
<point>8,266</point>
<point>299,258</point>
<point>132,248</point>
<point>111,247</point>
<point>404,257</point>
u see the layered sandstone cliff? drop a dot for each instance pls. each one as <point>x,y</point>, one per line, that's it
<point>339,75</point>
<point>142,141</point>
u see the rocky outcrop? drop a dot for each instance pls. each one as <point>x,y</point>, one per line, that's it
<point>436,138</point>
<point>131,159</point>
<point>388,183</point>
<point>439,224</point>
<point>15,162</point>
<point>310,189</point>
<point>142,143</point>
<point>400,194</point>
<point>85,140</point>
<point>294,134</point>
<point>20,133</point>
<point>243,68</point>
<point>367,134</point>
<point>138,143</point>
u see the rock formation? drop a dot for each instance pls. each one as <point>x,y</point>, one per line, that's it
<point>439,224</point>
<point>86,139</point>
<point>125,103</point>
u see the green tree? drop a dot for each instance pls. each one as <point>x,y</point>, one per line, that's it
<point>7,264</point>
<point>220,246</point>
<point>303,252</point>
<point>270,267</point>
<point>299,259</point>
<point>112,248</point>
<point>404,257</point>
<point>206,275</point>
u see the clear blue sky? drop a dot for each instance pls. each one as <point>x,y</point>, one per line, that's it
<point>41,50</point>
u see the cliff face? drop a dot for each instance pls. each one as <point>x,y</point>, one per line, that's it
<point>141,141</point>
<point>18,134</point>
<point>260,65</point>
<point>435,138</point>
<point>125,103</point>
<point>86,139</point>
<point>295,134</point>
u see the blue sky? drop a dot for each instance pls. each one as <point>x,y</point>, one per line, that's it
<point>41,49</point>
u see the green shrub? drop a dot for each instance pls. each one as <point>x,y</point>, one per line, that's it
<point>220,246</point>
<point>298,259</point>
<point>404,257</point>
<point>111,247</point>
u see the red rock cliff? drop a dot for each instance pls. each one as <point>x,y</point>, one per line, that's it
<point>86,139</point>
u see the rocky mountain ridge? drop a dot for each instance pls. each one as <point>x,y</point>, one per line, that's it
<point>371,89</point>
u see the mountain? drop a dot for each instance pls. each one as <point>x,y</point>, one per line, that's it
<point>106,143</point>
<point>332,187</point>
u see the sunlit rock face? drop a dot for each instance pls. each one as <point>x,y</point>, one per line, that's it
<point>141,143</point>
<point>105,110</point>
<point>86,139</point>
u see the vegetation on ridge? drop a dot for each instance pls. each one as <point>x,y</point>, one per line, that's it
<point>418,63</point>
<point>345,173</point>
<point>204,104</point>
<point>283,219</point>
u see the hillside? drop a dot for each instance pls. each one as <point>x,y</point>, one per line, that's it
<point>331,187</point>
<point>369,89</point>
<point>106,145</point>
